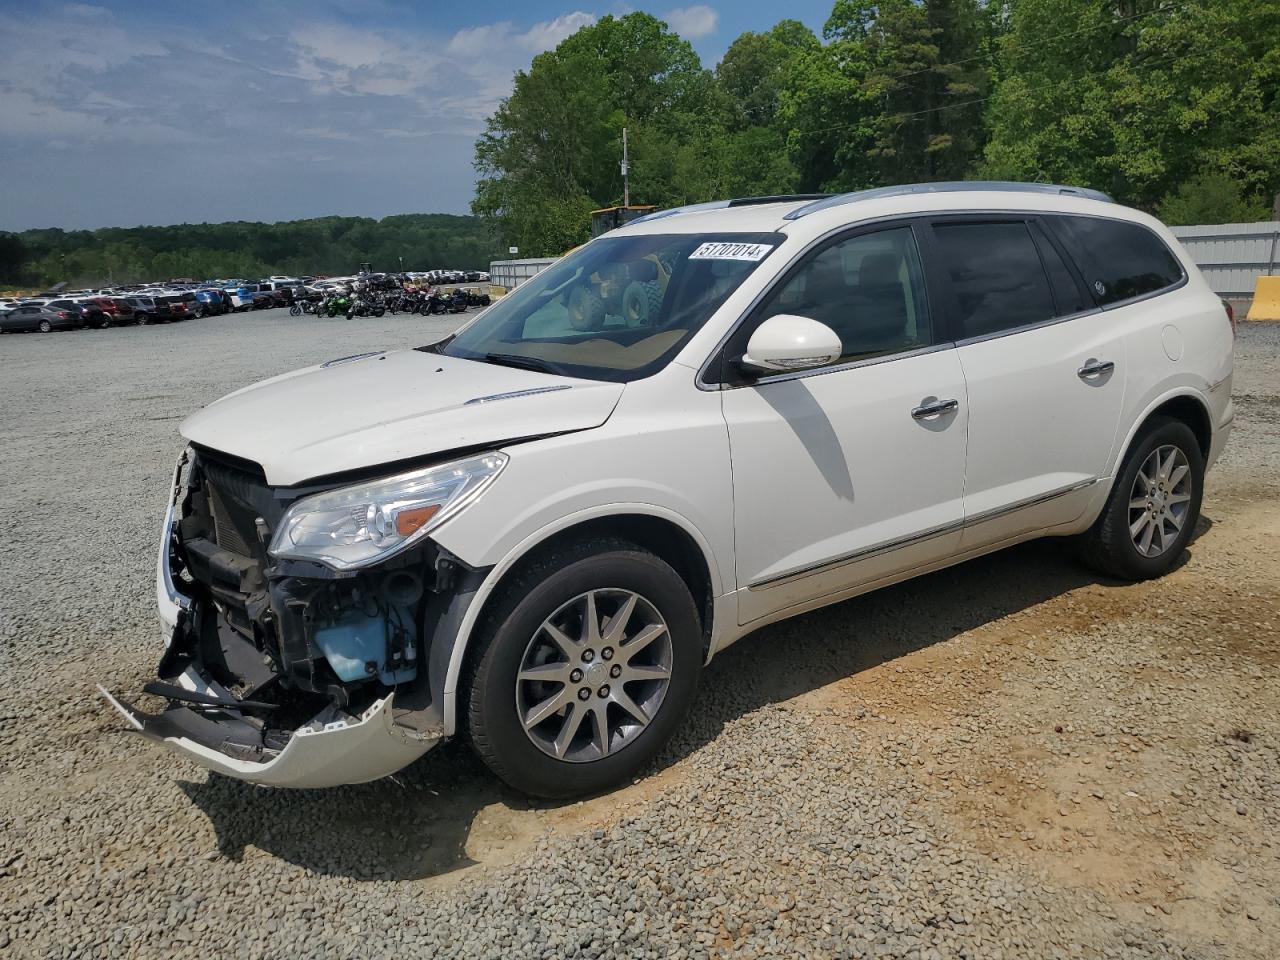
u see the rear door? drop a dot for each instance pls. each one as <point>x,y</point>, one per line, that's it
<point>1044,369</point>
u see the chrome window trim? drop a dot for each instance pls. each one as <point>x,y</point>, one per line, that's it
<point>888,546</point>
<point>1038,325</point>
<point>847,365</point>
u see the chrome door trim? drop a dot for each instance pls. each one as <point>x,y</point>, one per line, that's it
<point>864,554</point>
<point>889,546</point>
<point>1029,502</point>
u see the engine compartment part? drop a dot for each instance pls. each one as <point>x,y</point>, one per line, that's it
<point>275,668</point>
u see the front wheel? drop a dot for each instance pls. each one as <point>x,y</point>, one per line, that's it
<point>584,668</point>
<point>295,311</point>
<point>1153,507</point>
<point>45,326</point>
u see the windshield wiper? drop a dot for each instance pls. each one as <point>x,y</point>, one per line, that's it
<point>516,360</point>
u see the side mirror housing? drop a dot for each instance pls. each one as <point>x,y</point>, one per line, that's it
<point>787,342</point>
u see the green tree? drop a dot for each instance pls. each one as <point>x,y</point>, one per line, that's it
<point>894,96</point>
<point>756,69</point>
<point>328,245</point>
<point>1138,97</point>
<point>1211,198</point>
<point>550,152</point>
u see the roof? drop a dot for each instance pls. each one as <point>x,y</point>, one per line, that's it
<point>789,214</point>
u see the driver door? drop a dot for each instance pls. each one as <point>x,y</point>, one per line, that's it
<point>850,473</point>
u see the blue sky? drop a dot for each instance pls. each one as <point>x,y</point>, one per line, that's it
<point>148,112</point>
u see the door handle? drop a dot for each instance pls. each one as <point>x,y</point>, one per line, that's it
<point>1094,368</point>
<point>934,408</point>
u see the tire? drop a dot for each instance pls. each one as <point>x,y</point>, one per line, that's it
<point>1110,547</point>
<point>143,319</point>
<point>586,310</point>
<point>379,311</point>
<point>295,311</point>
<point>45,326</point>
<point>555,586</point>
<point>641,303</point>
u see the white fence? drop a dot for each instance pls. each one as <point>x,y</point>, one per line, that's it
<point>512,273</point>
<point>1233,255</point>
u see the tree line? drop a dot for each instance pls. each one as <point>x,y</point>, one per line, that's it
<point>200,251</point>
<point>1172,106</point>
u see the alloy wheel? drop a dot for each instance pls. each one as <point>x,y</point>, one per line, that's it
<point>1160,500</point>
<point>594,675</point>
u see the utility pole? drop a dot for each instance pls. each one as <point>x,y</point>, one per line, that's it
<point>626,182</point>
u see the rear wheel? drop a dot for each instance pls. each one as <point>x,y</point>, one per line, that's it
<point>1154,505</point>
<point>45,326</point>
<point>584,668</point>
<point>641,303</point>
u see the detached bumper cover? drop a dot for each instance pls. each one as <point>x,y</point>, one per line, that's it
<point>327,752</point>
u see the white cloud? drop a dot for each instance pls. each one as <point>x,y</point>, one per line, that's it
<point>693,22</point>
<point>100,85</point>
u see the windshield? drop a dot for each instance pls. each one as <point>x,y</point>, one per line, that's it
<point>618,308</point>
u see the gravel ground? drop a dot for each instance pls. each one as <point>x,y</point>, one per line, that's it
<point>1008,759</point>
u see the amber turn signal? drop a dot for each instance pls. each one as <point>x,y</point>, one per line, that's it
<point>407,521</point>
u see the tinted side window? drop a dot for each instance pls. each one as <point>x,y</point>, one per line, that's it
<point>1066,291</point>
<point>1119,260</point>
<point>997,279</point>
<point>869,289</point>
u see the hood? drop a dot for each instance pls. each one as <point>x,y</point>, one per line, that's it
<point>381,408</point>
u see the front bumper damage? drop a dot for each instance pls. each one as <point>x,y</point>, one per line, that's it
<point>284,673</point>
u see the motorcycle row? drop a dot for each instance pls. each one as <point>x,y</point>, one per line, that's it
<point>367,303</point>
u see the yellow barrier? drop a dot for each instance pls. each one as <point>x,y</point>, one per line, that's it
<point>1266,300</point>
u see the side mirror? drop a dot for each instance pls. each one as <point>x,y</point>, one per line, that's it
<point>787,342</point>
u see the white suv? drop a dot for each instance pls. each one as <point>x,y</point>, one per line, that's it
<point>537,531</point>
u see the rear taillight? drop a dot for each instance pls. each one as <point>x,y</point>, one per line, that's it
<point>65,314</point>
<point>1231,316</point>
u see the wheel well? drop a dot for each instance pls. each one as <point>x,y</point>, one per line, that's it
<point>1191,412</point>
<point>659,536</point>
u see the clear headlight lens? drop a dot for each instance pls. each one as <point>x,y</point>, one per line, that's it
<point>367,523</point>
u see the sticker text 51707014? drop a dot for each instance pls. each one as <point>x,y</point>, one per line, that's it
<point>731,251</point>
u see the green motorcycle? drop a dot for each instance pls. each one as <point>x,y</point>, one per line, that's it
<point>337,304</point>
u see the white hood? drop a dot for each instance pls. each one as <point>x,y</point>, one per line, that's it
<point>388,407</point>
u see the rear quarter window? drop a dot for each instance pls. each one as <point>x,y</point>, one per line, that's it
<point>1118,259</point>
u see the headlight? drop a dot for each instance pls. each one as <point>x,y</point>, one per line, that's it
<point>356,526</point>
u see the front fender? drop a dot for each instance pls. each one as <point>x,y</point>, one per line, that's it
<point>462,637</point>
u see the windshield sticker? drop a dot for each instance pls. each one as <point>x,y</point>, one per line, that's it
<point>731,251</point>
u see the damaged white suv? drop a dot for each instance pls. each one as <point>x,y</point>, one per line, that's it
<point>536,532</point>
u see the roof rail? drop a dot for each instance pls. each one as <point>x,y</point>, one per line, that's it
<point>737,202</point>
<point>688,208</point>
<point>957,186</point>
<point>777,198</point>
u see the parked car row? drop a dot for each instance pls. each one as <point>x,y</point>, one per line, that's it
<point>179,299</point>
<point>79,312</point>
